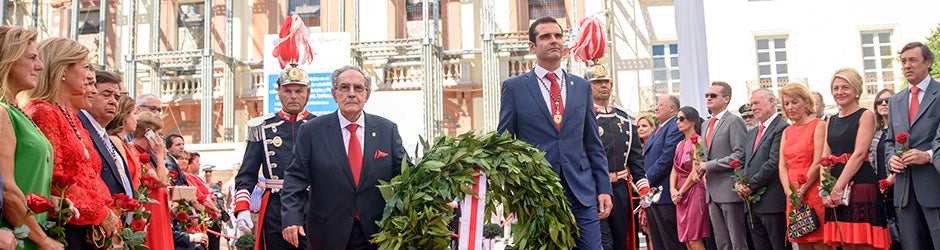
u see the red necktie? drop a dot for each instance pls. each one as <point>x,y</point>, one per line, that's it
<point>760,132</point>
<point>558,106</point>
<point>354,153</point>
<point>711,131</point>
<point>915,104</point>
<point>657,130</point>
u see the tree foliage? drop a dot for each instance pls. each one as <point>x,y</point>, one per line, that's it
<point>933,41</point>
<point>416,212</point>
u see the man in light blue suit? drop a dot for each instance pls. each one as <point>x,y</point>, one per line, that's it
<point>658,157</point>
<point>553,111</point>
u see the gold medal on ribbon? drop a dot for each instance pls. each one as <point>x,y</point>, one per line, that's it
<point>557,118</point>
<point>277,141</point>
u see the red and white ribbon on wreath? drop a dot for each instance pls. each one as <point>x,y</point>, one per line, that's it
<point>292,45</point>
<point>472,211</point>
<point>590,43</point>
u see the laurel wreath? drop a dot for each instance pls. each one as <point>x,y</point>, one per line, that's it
<point>416,214</point>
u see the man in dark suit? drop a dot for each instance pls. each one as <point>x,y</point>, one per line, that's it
<point>915,111</point>
<point>343,202</point>
<point>724,135</point>
<point>658,158</point>
<point>114,170</point>
<point>552,110</point>
<point>175,147</point>
<point>271,140</point>
<point>761,158</point>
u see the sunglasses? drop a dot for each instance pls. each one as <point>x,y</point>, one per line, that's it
<point>680,118</point>
<point>711,95</point>
<point>879,101</point>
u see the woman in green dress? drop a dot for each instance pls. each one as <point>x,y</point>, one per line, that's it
<point>26,168</point>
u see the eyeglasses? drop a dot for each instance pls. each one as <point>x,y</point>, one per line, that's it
<point>711,95</point>
<point>680,118</point>
<point>152,108</point>
<point>879,101</point>
<point>345,87</point>
<point>747,116</point>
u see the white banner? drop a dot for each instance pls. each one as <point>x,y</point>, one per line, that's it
<point>472,212</point>
<point>693,53</point>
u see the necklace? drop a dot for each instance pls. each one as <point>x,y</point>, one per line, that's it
<point>556,101</point>
<point>24,114</point>
<point>68,116</point>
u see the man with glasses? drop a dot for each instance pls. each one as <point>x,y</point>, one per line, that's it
<point>724,135</point>
<point>149,103</point>
<point>271,140</point>
<point>341,157</point>
<point>658,158</point>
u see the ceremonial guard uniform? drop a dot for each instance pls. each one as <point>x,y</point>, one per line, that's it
<point>625,162</point>
<point>271,141</point>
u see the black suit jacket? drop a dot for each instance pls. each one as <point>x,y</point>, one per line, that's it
<point>762,167</point>
<point>109,168</point>
<point>333,200</point>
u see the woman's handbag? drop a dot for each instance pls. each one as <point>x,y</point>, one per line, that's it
<point>803,221</point>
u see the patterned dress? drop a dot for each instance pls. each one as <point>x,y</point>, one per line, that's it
<point>75,159</point>
<point>863,220</point>
<point>798,152</point>
<point>691,211</point>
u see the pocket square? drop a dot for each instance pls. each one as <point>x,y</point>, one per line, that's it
<point>379,154</point>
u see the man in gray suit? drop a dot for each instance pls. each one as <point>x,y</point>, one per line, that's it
<point>914,111</point>
<point>762,155</point>
<point>724,140</point>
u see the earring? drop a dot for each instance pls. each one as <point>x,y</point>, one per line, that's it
<point>63,78</point>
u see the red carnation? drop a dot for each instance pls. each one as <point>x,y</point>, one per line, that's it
<point>62,180</point>
<point>173,174</point>
<point>182,216</point>
<point>213,215</point>
<point>694,139</point>
<point>150,182</point>
<point>902,138</point>
<point>735,163</point>
<point>801,179</point>
<point>144,158</point>
<point>38,203</point>
<point>884,184</point>
<point>138,225</point>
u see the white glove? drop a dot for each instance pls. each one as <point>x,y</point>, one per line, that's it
<point>243,221</point>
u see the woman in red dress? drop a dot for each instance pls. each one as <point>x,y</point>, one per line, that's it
<point>150,154</point>
<point>62,90</point>
<point>800,157</point>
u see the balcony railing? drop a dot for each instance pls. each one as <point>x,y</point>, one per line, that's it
<point>187,87</point>
<point>252,82</point>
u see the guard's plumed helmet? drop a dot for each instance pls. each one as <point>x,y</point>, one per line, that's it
<point>293,75</point>
<point>596,72</point>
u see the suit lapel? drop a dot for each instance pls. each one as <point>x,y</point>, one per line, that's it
<point>338,147</point>
<point>533,84</point>
<point>368,151</point>
<point>571,95</point>
<point>100,146</point>
<point>749,144</point>
<point>929,97</point>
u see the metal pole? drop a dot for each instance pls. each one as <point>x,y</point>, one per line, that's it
<point>35,13</point>
<point>155,79</point>
<point>491,91</point>
<point>228,98</point>
<point>3,12</point>
<point>356,21</point>
<point>342,15</point>
<point>207,127</point>
<point>102,37</point>
<point>73,21</point>
<point>130,62</point>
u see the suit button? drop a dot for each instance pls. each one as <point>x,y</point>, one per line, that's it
<point>273,165</point>
<point>271,153</point>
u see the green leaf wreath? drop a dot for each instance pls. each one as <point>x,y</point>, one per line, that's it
<point>416,212</point>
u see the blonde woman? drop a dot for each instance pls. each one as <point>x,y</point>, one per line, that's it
<point>861,223</point>
<point>60,92</point>
<point>27,166</point>
<point>800,156</point>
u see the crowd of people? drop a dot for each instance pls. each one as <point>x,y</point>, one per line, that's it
<point>778,174</point>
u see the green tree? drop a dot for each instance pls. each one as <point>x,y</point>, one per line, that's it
<point>933,41</point>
